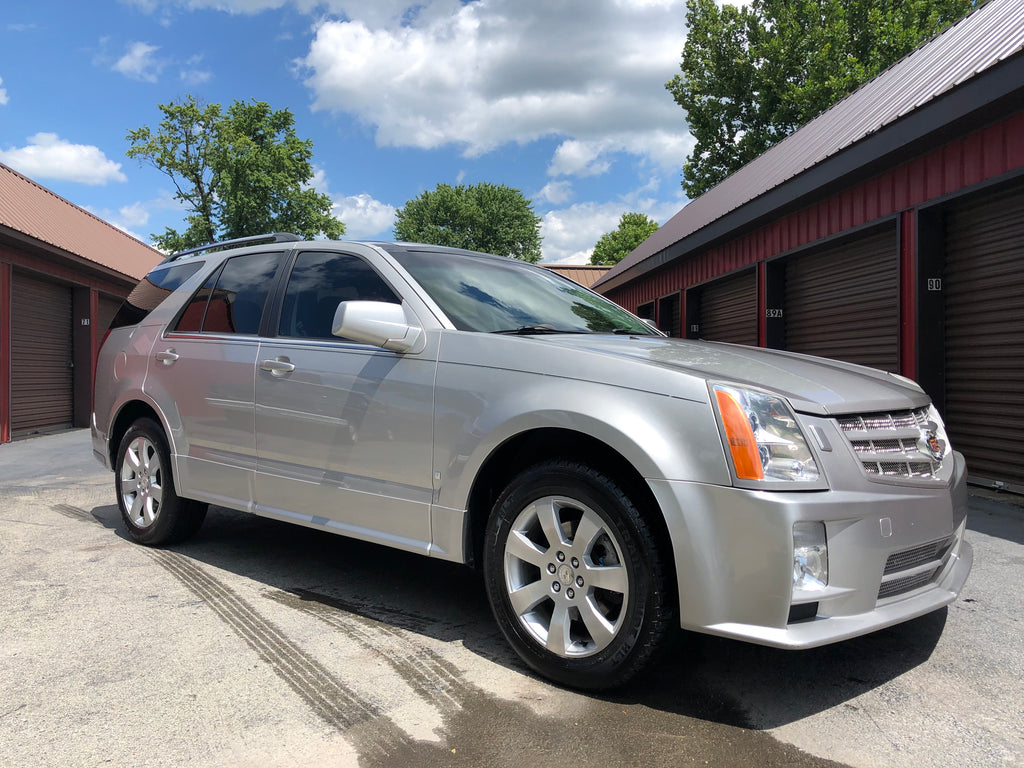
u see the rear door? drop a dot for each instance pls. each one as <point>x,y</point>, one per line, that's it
<point>202,372</point>
<point>344,430</point>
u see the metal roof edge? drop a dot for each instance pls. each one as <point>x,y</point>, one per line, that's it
<point>11,235</point>
<point>998,89</point>
<point>79,209</point>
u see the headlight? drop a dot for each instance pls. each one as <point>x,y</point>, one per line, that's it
<point>765,442</point>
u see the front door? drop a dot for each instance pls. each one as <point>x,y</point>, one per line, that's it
<point>344,430</point>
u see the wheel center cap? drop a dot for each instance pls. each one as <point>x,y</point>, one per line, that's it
<point>565,575</point>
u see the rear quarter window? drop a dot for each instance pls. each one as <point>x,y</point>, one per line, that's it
<point>151,291</point>
<point>232,299</point>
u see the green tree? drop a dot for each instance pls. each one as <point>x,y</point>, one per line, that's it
<point>614,246</point>
<point>481,217</point>
<point>240,172</point>
<point>750,76</point>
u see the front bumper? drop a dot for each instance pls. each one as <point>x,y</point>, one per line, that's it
<point>733,552</point>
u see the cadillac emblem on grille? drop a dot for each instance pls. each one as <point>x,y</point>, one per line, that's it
<point>930,443</point>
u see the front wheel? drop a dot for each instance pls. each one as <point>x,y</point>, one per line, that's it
<point>574,575</point>
<point>152,511</point>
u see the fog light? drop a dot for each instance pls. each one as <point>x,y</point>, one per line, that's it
<point>810,559</point>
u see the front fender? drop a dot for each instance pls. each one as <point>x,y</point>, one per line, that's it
<point>477,410</point>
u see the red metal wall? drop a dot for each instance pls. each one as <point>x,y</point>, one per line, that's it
<point>985,154</point>
<point>88,285</point>
<point>5,352</point>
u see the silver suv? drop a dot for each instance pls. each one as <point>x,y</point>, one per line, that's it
<point>611,483</point>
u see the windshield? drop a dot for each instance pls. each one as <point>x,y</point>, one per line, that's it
<point>495,295</point>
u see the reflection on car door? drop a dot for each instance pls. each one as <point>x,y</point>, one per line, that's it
<point>342,428</point>
<point>203,368</point>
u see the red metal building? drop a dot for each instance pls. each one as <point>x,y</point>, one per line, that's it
<point>63,275</point>
<point>889,232</point>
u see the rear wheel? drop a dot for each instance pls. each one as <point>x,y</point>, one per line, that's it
<point>152,511</point>
<point>574,575</point>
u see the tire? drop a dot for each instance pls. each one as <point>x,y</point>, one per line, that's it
<point>152,511</point>
<point>575,578</point>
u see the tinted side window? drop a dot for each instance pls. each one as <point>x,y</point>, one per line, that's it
<point>318,283</point>
<point>233,300</point>
<point>153,289</point>
<point>191,320</point>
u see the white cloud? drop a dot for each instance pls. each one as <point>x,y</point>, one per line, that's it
<point>570,234</point>
<point>555,192</point>
<point>374,13</point>
<point>195,76</point>
<point>661,148</point>
<point>140,63</point>
<point>487,73</point>
<point>3,94</point>
<point>134,215</point>
<point>47,156</point>
<point>580,158</point>
<point>364,217</point>
<point>192,74</point>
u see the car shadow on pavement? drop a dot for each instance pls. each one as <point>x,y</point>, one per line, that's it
<point>758,687</point>
<point>699,676</point>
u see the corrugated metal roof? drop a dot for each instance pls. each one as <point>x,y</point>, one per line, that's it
<point>977,42</point>
<point>33,210</point>
<point>584,274</point>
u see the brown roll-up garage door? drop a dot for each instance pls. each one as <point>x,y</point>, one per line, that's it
<point>41,355</point>
<point>983,285</point>
<point>728,309</point>
<point>669,320</point>
<point>843,303</point>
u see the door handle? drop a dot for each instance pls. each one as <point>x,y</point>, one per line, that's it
<point>167,357</point>
<point>277,367</point>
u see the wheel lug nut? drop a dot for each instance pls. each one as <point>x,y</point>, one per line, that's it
<point>579,581</point>
<point>575,562</point>
<point>551,568</point>
<point>570,593</point>
<point>561,557</point>
<point>556,587</point>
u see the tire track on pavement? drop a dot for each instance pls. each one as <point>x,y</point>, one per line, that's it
<point>75,513</point>
<point>362,722</point>
<point>430,675</point>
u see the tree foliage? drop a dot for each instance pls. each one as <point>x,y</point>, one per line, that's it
<point>481,217</point>
<point>614,246</point>
<point>752,75</point>
<point>238,172</point>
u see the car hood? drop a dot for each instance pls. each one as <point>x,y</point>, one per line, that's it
<point>811,384</point>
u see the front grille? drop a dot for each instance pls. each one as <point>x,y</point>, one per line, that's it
<point>889,445</point>
<point>905,584</point>
<point>912,558</point>
<point>915,567</point>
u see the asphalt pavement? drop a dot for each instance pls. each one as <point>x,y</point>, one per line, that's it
<point>263,644</point>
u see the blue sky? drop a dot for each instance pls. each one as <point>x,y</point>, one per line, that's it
<point>562,100</point>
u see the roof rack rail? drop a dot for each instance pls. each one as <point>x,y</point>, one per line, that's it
<point>273,237</point>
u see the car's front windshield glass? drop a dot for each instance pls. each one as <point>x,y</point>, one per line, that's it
<point>495,295</point>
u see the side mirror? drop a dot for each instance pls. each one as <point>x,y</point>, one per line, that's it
<point>379,323</point>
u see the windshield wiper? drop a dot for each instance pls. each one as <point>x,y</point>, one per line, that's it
<point>533,330</point>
